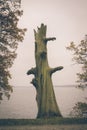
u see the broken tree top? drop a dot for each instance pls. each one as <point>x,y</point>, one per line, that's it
<point>41,34</point>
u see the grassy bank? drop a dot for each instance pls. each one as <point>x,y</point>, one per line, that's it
<point>50,121</point>
<point>45,127</point>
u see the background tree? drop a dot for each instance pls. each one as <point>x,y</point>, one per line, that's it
<point>80,57</point>
<point>79,110</point>
<point>46,101</point>
<point>10,35</point>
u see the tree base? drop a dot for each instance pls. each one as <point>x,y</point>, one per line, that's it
<point>49,115</point>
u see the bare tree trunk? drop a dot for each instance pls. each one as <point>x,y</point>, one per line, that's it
<point>47,105</point>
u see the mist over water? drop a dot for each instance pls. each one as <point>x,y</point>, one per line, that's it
<point>22,103</point>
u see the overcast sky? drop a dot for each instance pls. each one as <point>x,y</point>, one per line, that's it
<point>67,21</point>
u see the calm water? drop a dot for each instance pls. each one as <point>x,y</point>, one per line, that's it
<point>22,103</point>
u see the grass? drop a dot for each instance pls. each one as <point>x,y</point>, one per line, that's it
<point>46,121</point>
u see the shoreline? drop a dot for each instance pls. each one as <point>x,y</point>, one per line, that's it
<point>45,121</point>
<point>44,124</point>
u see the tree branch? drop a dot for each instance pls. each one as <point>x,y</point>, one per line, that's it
<point>34,82</point>
<point>32,71</point>
<point>49,39</point>
<point>56,69</point>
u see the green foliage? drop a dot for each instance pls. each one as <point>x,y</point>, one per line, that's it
<point>10,35</point>
<point>79,109</point>
<point>80,57</point>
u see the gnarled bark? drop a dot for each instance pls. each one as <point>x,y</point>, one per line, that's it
<point>46,101</point>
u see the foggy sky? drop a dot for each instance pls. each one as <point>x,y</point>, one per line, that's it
<point>67,21</point>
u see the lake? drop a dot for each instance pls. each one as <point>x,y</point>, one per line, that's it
<point>22,103</point>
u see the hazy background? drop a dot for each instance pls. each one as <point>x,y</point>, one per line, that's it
<point>67,21</point>
<point>22,103</point>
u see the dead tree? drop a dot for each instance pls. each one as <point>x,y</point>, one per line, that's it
<point>46,101</point>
